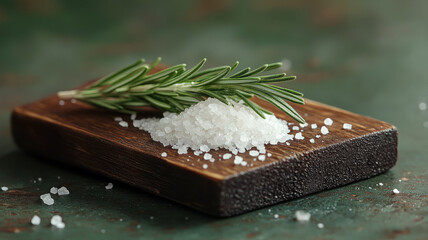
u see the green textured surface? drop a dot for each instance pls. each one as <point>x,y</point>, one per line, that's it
<point>368,57</point>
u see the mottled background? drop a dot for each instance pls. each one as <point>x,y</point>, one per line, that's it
<point>368,57</point>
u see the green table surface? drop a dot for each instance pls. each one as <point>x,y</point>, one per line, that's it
<point>369,57</point>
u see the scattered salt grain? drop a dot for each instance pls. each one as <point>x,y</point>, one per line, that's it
<point>207,156</point>
<point>347,126</point>
<point>61,102</point>
<point>318,136</point>
<point>216,125</point>
<point>422,106</point>
<point>244,163</point>
<point>109,186</point>
<point>63,191</point>
<point>314,125</point>
<point>262,158</point>
<point>302,216</point>
<point>56,221</point>
<point>295,128</point>
<point>254,153</point>
<point>380,184</point>
<point>39,179</point>
<point>197,153</point>
<point>328,121</point>
<point>54,190</point>
<point>299,136</point>
<point>276,216</point>
<point>205,166</point>
<point>4,188</point>
<point>320,225</point>
<point>395,191</point>
<point>47,199</point>
<point>182,150</point>
<point>123,124</point>
<point>238,160</point>
<point>227,156</point>
<point>164,154</point>
<point>133,116</point>
<point>35,220</point>
<point>324,130</point>
<point>118,119</point>
<point>312,140</point>
<point>303,125</point>
<point>269,154</point>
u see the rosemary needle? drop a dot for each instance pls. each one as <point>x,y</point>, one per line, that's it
<point>177,88</point>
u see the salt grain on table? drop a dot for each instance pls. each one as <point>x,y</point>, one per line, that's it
<point>109,186</point>
<point>237,160</point>
<point>422,106</point>
<point>207,156</point>
<point>320,225</point>
<point>118,119</point>
<point>312,140</point>
<point>164,154</point>
<point>314,126</point>
<point>56,221</point>
<point>227,156</point>
<point>254,153</point>
<point>47,199</point>
<point>302,216</point>
<point>35,220</point>
<point>123,124</point>
<point>63,191</point>
<point>205,166</point>
<point>295,128</point>
<point>54,190</point>
<point>262,158</point>
<point>395,191</point>
<point>269,154</point>
<point>4,188</point>
<point>299,136</point>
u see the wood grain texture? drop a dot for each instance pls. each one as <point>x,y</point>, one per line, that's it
<point>80,135</point>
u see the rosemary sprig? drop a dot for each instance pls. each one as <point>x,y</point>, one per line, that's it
<point>177,88</point>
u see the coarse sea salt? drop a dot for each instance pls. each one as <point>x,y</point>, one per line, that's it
<point>164,154</point>
<point>238,160</point>
<point>347,126</point>
<point>54,190</point>
<point>63,191</point>
<point>47,199</point>
<point>312,140</point>
<point>328,121</point>
<point>395,191</point>
<point>302,216</point>
<point>109,186</point>
<point>227,156</point>
<point>299,136</point>
<point>4,188</point>
<point>35,220</point>
<point>324,130</point>
<point>56,221</point>
<point>422,106</point>
<point>314,125</point>
<point>123,124</point>
<point>211,124</point>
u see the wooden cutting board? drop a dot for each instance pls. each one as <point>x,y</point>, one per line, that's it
<point>79,135</point>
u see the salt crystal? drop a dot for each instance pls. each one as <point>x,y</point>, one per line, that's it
<point>238,160</point>
<point>324,130</point>
<point>56,221</point>
<point>320,225</point>
<point>164,154</point>
<point>123,124</point>
<point>205,166</point>
<point>47,199</point>
<point>204,148</point>
<point>312,140</point>
<point>133,116</point>
<point>276,216</point>
<point>288,144</point>
<point>244,163</point>
<point>295,128</point>
<point>63,191</point>
<point>299,136</point>
<point>61,102</point>
<point>254,153</point>
<point>347,126</point>
<point>227,156</point>
<point>262,158</point>
<point>395,191</point>
<point>318,136</point>
<point>109,186</point>
<point>35,220</point>
<point>269,154</point>
<point>328,121</point>
<point>314,126</point>
<point>54,190</point>
<point>207,156</point>
<point>302,216</point>
<point>197,153</point>
<point>182,150</point>
<point>118,119</point>
<point>303,125</point>
<point>380,184</point>
<point>422,106</point>
<point>39,179</point>
<point>4,188</point>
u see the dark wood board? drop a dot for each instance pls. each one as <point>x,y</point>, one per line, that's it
<point>82,136</point>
